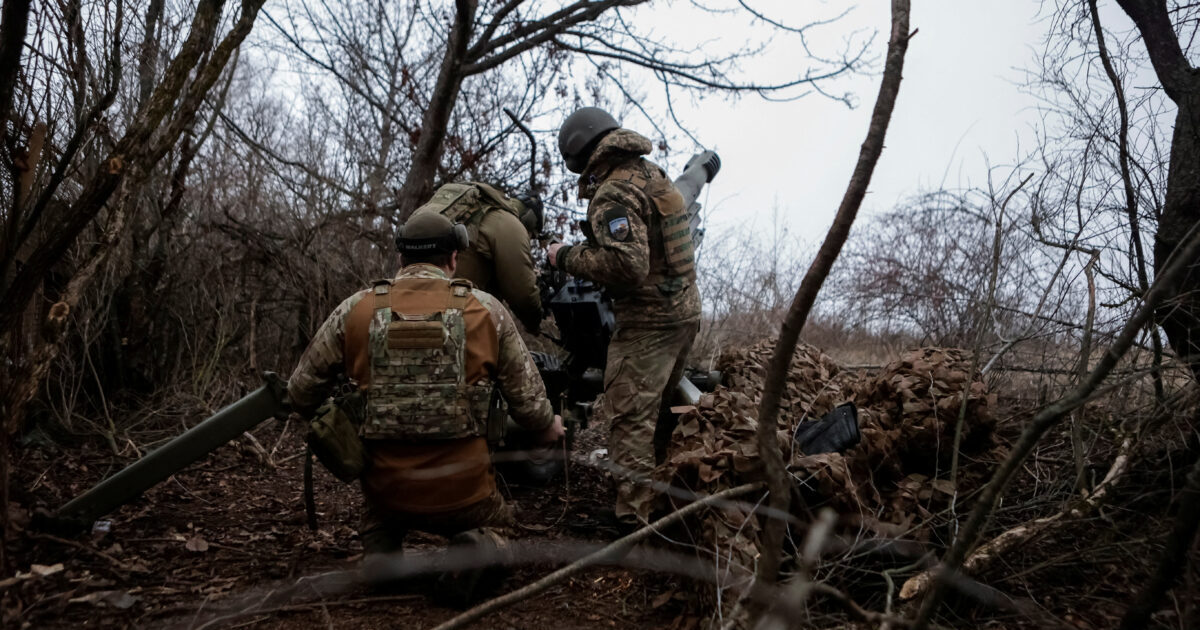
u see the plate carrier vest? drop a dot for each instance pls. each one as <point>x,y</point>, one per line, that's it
<point>674,227</point>
<point>418,389</point>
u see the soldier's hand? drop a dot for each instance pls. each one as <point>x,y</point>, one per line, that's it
<point>553,432</point>
<point>552,254</point>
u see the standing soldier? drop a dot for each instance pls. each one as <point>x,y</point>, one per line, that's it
<point>429,353</point>
<point>500,228</point>
<point>639,248</point>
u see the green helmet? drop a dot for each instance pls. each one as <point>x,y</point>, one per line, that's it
<point>579,134</point>
<point>427,232</point>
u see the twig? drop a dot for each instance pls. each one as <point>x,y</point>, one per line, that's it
<point>1174,554</point>
<point>309,606</point>
<point>96,552</point>
<point>1166,286</point>
<point>791,603</point>
<point>1012,538</point>
<point>613,550</point>
<point>271,456</point>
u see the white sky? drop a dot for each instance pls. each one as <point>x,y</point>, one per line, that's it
<point>960,101</point>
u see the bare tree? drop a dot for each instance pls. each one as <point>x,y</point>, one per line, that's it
<point>1180,316</point>
<point>522,45</point>
<point>58,188</point>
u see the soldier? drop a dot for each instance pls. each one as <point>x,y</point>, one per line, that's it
<point>500,228</point>
<point>429,352</point>
<point>639,248</point>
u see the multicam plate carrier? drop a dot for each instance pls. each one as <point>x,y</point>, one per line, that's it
<point>418,375</point>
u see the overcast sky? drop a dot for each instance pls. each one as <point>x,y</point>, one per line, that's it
<point>961,100</point>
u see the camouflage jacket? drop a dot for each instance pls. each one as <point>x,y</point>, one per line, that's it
<point>494,349</point>
<point>624,251</point>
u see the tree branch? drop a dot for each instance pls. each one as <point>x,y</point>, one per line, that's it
<point>1165,287</point>
<point>1170,64</point>
<point>613,551</point>
<point>785,347</point>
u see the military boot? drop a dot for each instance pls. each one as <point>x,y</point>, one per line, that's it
<point>464,587</point>
<point>382,556</point>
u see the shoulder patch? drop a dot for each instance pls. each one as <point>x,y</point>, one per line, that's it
<point>617,222</point>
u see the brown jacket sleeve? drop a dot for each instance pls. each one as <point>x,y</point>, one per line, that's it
<point>516,278</point>
<point>516,374</point>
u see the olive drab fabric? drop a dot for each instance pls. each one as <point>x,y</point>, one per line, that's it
<point>467,202</point>
<point>499,259</point>
<point>418,385</point>
<point>639,246</point>
<point>333,436</point>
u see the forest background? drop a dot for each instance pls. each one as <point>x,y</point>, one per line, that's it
<point>191,186</point>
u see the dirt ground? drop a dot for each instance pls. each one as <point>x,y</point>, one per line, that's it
<point>230,531</point>
<point>224,544</point>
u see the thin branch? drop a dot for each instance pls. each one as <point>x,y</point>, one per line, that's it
<point>613,551</point>
<point>1165,287</point>
<point>785,347</point>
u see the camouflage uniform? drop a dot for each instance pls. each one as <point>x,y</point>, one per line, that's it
<point>443,485</point>
<point>634,250</point>
<point>499,259</point>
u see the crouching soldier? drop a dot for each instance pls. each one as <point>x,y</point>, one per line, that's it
<point>499,259</point>
<point>430,353</point>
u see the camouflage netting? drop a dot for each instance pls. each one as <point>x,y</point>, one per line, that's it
<point>896,476</point>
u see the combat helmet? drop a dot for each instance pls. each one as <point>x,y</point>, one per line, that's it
<point>430,232</point>
<point>579,134</point>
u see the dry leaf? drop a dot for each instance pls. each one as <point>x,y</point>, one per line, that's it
<point>197,544</point>
<point>662,599</point>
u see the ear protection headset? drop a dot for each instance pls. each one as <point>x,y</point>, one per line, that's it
<point>457,240</point>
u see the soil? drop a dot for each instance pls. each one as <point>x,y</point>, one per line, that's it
<point>230,531</point>
<point>225,544</point>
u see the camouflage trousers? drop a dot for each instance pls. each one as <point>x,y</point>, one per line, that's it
<point>383,531</point>
<point>644,365</point>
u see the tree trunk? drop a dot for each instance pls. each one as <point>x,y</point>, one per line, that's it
<point>427,155</point>
<point>13,25</point>
<point>1179,316</point>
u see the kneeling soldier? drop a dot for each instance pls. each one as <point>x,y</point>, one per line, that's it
<point>429,352</point>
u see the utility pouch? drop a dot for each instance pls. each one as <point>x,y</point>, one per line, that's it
<point>333,436</point>
<point>588,234</point>
<point>497,418</point>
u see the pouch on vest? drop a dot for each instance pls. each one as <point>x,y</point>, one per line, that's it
<point>333,436</point>
<point>497,419</point>
<point>457,202</point>
<point>418,389</point>
<point>674,226</point>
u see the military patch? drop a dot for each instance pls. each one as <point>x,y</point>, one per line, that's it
<point>617,220</point>
<point>619,228</point>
